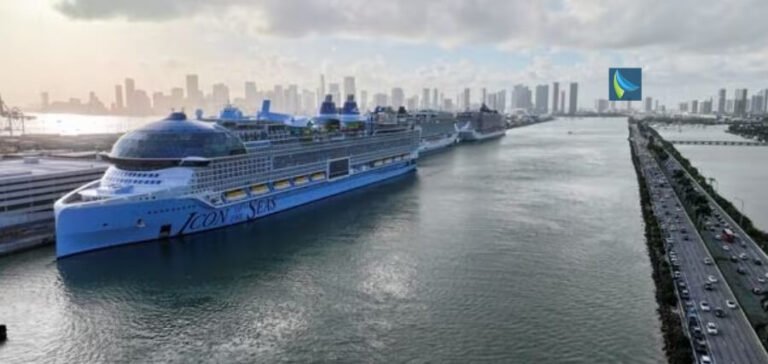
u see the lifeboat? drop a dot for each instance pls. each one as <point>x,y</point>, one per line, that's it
<point>259,189</point>
<point>235,195</point>
<point>281,185</point>
<point>319,176</point>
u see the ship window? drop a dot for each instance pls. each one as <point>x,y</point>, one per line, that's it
<point>338,168</point>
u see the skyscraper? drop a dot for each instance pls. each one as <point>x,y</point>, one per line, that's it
<point>363,100</point>
<point>322,85</point>
<point>485,96</point>
<point>542,99</point>
<point>435,104</point>
<point>335,92</point>
<point>695,107</point>
<point>251,94</point>
<point>193,89</point>
<point>466,101</point>
<point>119,98</point>
<point>349,87</point>
<point>555,96</point>
<point>398,97</point>
<point>721,101</point>
<point>220,94</point>
<point>130,93</point>
<point>574,100</point>
<point>648,104</point>
<point>521,97</point>
<point>740,102</point>
<point>425,98</point>
<point>45,101</point>
<point>562,101</point>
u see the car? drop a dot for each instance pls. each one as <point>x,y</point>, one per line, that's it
<point>730,304</point>
<point>708,261</point>
<point>684,294</point>
<point>700,345</point>
<point>676,275</point>
<point>734,258</point>
<point>704,306</point>
<point>719,312</point>
<point>757,290</point>
<point>697,333</point>
<point>711,328</point>
<point>711,279</point>
<point>743,256</point>
<point>705,359</point>
<point>758,261</point>
<point>685,237</point>
<point>683,230</point>
<point>716,236</point>
<point>682,284</point>
<point>741,270</point>
<point>726,248</point>
<point>708,286</point>
<point>743,244</point>
<point>689,304</point>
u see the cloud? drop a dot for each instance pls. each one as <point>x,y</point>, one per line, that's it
<point>691,25</point>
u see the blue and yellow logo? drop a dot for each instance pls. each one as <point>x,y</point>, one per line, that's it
<point>625,84</point>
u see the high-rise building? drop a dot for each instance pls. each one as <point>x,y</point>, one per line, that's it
<point>740,102</point>
<point>562,101</point>
<point>435,104</point>
<point>119,98</point>
<point>220,95</point>
<point>44,101</point>
<point>484,96</point>
<point>705,107</point>
<point>555,96</point>
<point>466,102</point>
<point>757,104</point>
<point>694,106</point>
<point>194,95</point>
<point>721,101</point>
<point>521,97</point>
<point>251,94</point>
<point>425,98</point>
<point>321,93</point>
<point>130,90</point>
<point>335,92</point>
<point>648,104</point>
<point>398,97</point>
<point>363,100</point>
<point>601,105</point>
<point>380,99</point>
<point>573,96</point>
<point>349,87</point>
<point>542,99</point>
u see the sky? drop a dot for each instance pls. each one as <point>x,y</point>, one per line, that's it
<point>687,48</point>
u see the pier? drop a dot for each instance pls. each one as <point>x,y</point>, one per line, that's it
<point>739,143</point>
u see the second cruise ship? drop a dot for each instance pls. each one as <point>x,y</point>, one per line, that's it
<point>178,176</point>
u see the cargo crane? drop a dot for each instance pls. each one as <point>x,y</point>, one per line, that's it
<point>15,117</point>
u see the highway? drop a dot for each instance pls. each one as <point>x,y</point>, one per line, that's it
<point>736,340</point>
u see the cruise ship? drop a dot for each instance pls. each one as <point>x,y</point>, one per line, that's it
<point>178,176</point>
<point>481,125</point>
<point>438,129</point>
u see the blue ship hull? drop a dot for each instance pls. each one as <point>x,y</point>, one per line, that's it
<point>94,226</point>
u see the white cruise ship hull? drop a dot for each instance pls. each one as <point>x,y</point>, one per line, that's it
<point>434,145</point>
<point>93,226</point>
<point>474,135</point>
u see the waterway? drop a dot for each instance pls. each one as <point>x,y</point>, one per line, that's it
<point>739,171</point>
<point>527,249</point>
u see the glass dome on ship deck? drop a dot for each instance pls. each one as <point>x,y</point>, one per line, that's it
<point>176,137</point>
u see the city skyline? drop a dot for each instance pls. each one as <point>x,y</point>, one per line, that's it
<point>272,42</point>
